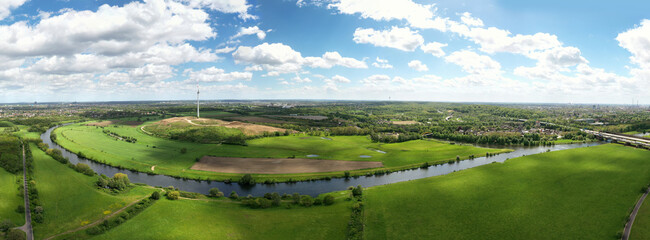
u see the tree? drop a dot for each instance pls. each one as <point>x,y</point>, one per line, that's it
<point>38,210</point>
<point>247,180</point>
<point>119,181</point>
<point>356,192</point>
<point>173,195</point>
<point>214,192</point>
<point>296,198</point>
<point>155,195</point>
<point>328,200</point>
<point>276,199</point>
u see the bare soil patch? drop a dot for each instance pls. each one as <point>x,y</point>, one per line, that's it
<point>100,124</point>
<point>405,122</point>
<point>246,128</point>
<point>278,165</point>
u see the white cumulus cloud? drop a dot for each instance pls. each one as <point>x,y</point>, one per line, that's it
<point>399,38</point>
<point>418,66</point>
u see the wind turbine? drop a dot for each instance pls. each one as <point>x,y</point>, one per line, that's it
<point>197,98</point>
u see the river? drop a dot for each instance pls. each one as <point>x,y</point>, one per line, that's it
<point>312,188</point>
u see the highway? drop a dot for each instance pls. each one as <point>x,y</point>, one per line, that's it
<point>621,137</point>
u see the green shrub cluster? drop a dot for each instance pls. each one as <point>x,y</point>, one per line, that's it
<point>120,137</point>
<point>11,154</point>
<point>208,135</point>
<point>115,221</point>
<point>37,211</point>
<point>119,182</point>
<point>356,225</point>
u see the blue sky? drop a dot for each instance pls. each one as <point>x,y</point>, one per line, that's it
<point>449,50</point>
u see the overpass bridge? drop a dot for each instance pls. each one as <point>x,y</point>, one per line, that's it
<point>639,141</point>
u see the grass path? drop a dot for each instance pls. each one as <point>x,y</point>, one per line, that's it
<point>628,225</point>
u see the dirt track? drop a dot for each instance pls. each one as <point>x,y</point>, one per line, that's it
<point>278,165</point>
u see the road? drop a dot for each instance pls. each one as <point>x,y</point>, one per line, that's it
<point>628,225</point>
<point>27,228</point>
<point>621,137</point>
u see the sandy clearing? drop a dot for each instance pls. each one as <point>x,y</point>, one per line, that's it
<point>278,165</point>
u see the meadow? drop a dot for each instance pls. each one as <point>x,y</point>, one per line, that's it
<point>201,219</point>
<point>10,198</point>
<point>168,158</point>
<point>641,226</point>
<point>71,199</point>
<point>584,193</point>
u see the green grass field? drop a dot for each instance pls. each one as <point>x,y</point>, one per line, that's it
<point>188,219</point>
<point>70,199</point>
<point>169,160</point>
<point>584,193</point>
<point>641,226</point>
<point>9,198</point>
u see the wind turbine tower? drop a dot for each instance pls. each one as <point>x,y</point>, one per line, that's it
<point>197,99</point>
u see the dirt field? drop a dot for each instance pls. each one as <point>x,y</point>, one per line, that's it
<point>247,128</point>
<point>257,119</point>
<point>405,122</point>
<point>107,123</point>
<point>278,165</point>
<point>100,124</point>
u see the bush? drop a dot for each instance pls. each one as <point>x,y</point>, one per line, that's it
<point>328,200</point>
<point>183,150</point>
<point>306,200</point>
<point>5,225</point>
<point>296,198</point>
<point>214,192</point>
<point>233,195</point>
<point>15,234</point>
<point>84,168</point>
<point>20,209</point>
<point>155,195</point>
<point>173,195</point>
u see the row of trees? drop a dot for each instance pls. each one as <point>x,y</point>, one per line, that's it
<point>120,137</point>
